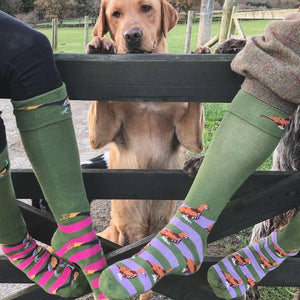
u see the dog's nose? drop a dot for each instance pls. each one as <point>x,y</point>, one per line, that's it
<point>133,35</point>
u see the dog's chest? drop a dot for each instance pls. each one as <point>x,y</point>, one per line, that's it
<point>149,118</point>
<point>150,122</point>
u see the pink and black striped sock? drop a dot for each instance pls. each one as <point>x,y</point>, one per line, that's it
<point>53,274</point>
<point>82,247</point>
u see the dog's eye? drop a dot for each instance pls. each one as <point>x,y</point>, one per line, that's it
<point>116,14</point>
<point>146,8</point>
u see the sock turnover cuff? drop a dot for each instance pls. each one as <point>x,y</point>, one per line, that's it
<point>46,98</point>
<point>259,114</point>
<point>42,110</point>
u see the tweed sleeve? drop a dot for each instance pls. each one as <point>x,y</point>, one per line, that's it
<point>271,64</point>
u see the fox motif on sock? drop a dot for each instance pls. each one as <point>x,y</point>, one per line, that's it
<point>192,213</point>
<point>281,252</point>
<point>172,236</point>
<point>281,122</point>
<point>177,249</point>
<point>191,267</point>
<point>241,261</point>
<point>158,271</point>
<point>266,263</point>
<point>231,280</point>
<point>129,274</point>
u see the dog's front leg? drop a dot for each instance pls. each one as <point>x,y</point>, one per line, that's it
<point>103,124</point>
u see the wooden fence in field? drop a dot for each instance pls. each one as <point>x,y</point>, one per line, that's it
<point>236,17</point>
<point>159,78</point>
<point>230,20</point>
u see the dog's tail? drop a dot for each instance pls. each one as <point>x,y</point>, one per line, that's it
<point>99,162</point>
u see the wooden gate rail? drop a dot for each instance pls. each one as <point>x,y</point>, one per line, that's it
<point>262,196</point>
<point>205,78</point>
<point>155,77</point>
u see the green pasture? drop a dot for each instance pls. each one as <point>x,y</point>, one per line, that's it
<point>71,40</point>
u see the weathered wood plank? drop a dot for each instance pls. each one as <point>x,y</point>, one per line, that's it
<point>264,15</point>
<point>10,274</point>
<point>41,226</point>
<point>136,184</point>
<point>147,77</point>
<point>255,205</point>
<point>189,287</point>
<point>239,29</point>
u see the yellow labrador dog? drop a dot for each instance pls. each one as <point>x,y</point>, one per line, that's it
<point>140,135</point>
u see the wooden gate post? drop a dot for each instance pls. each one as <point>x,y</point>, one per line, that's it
<point>54,34</point>
<point>226,18</point>
<point>206,13</point>
<point>189,31</point>
<point>86,30</point>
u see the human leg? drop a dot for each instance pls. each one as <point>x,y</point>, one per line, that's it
<point>44,120</point>
<point>53,274</point>
<point>179,248</point>
<point>236,273</point>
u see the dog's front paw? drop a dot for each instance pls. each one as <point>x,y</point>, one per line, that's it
<point>101,45</point>
<point>202,50</point>
<point>231,46</point>
<point>192,165</point>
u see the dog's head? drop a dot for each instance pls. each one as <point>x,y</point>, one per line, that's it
<point>136,26</point>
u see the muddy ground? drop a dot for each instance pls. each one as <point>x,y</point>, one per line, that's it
<point>100,209</point>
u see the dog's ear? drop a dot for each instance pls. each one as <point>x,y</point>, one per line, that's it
<point>189,130</point>
<point>169,17</point>
<point>101,27</point>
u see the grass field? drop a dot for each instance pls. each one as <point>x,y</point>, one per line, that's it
<point>71,40</point>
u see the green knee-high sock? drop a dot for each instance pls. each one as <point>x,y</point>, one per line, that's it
<point>54,275</point>
<point>236,273</point>
<point>245,138</point>
<point>12,225</point>
<point>47,133</point>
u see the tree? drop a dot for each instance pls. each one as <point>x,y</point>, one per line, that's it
<point>50,9</point>
<point>3,5</point>
<point>11,7</point>
<point>27,6</point>
<point>88,7</point>
<point>258,4</point>
<point>183,5</point>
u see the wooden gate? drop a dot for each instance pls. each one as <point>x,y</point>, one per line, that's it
<point>188,78</point>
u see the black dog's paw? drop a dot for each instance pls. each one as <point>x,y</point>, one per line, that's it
<point>231,46</point>
<point>101,46</point>
<point>99,162</point>
<point>192,165</point>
